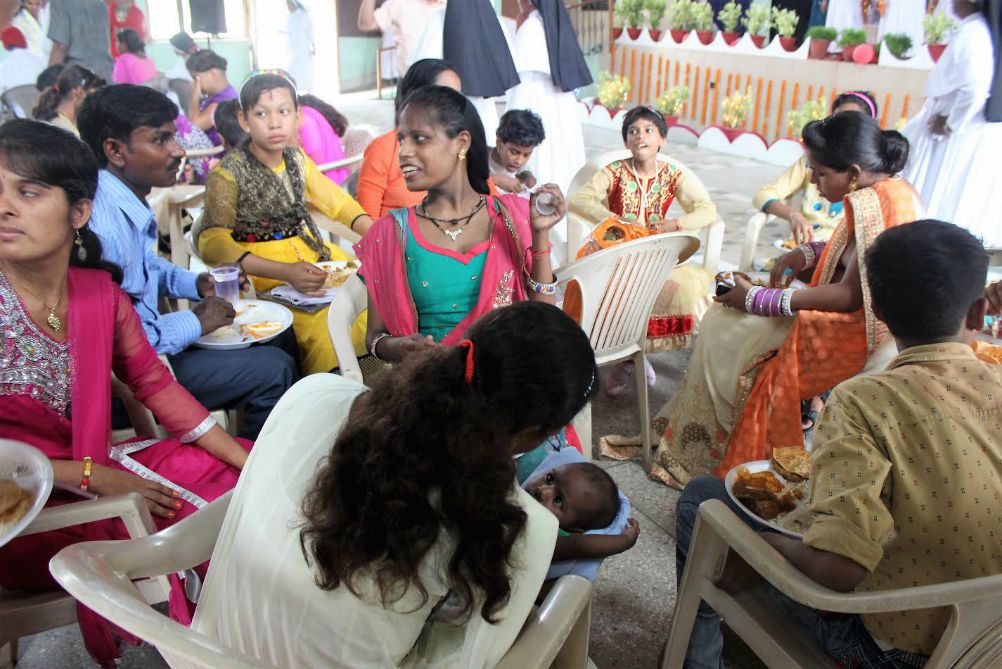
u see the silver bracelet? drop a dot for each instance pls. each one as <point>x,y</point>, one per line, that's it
<point>750,297</point>
<point>539,287</point>
<point>808,252</point>
<point>785,302</point>
<point>375,340</point>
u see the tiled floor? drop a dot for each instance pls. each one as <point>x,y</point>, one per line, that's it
<point>635,592</point>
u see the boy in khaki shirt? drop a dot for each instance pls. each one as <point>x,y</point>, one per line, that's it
<point>906,470</point>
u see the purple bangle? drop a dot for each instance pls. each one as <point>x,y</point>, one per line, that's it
<point>759,300</point>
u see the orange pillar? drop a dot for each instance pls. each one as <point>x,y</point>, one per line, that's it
<point>883,115</point>
<point>716,98</point>
<point>765,110</point>
<point>779,109</point>
<point>695,94</point>
<point>661,67</point>
<point>793,101</point>
<point>650,77</point>
<point>706,96</point>
<point>676,74</point>
<point>633,64</point>
<point>810,94</point>
<point>758,99</point>
<point>904,107</point>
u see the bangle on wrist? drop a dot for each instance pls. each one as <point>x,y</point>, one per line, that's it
<point>240,261</point>
<point>540,288</point>
<point>88,468</point>
<point>375,342</point>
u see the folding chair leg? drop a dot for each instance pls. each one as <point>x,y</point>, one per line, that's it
<point>640,374</point>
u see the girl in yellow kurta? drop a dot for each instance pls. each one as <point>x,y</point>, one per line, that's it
<point>255,212</point>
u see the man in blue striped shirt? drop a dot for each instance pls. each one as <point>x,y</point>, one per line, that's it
<point>131,130</point>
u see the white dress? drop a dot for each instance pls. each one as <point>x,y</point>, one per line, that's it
<point>299,29</point>
<point>958,176</point>
<point>260,596</point>
<point>562,153</point>
<point>34,31</point>
<point>429,45</point>
<point>904,16</point>
<point>844,14</point>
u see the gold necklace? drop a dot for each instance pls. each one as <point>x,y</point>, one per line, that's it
<point>52,320</point>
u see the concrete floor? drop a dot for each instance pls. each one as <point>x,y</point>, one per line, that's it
<point>635,592</point>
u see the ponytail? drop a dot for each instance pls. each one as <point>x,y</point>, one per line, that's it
<point>895,151</point>
<point>48,101</point>
<point>70,78</point>
<point>87,254</point>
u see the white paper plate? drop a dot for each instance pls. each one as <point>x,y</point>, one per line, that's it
<point>754,468</point>
<point>248,312</point>
<point>31,470</point>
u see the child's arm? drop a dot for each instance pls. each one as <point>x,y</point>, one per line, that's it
<point>596,546</point>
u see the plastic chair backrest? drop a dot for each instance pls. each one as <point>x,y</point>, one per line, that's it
<point>183,89</point>
<point>20,97</point>
<point>619,286</point>
<point>356,138</point>
<point>350,184</point>
<point>349,302</point>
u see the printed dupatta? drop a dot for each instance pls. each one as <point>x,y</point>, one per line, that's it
<point>265,209</point>
<point>381,252</point>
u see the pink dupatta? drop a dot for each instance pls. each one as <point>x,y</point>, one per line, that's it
<point>381,252</point>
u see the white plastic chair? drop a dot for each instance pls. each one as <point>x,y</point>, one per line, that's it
<point>752,232</point>
<point>618,289</point>
<point>578,228</point>
<point>23,614</point>
<point>349,302</point>
<point>19,101</point>
<point>100,574</point>
<point>972,640</point>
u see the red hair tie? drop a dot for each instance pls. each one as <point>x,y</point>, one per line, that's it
<point>468,345</point>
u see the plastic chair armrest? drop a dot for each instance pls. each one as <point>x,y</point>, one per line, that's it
<point>714,245</point>
<point>338,164</point>
<point>752,233</point>
<point>768,562</point>
<point>549,626</point>
<point>131,508</point>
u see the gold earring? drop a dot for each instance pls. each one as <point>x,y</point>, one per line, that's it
<point>462,154</point>
<point>852,185</point>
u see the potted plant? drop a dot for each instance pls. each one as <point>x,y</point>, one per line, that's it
<point>613,91</point>
<point>821,39</point>
<point>936,28</point>
<point>899,44</point>
<point>849,39</point>
<point>729,17</point>
<point>785,22</point>
<point>813,110</point>
<point>757,21</point>
<point>617,23</point>
<point>671,102</point>
<point>655,16</point>
<point>735,108</point>
<point>681,19</point>
<point>633,16</point>
<point>702,21</point>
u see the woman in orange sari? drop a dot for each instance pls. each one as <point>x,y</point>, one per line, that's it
<point>763,350</point>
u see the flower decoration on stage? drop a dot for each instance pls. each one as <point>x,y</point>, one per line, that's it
<point>613,90</point>
<point>785,21</point>
<point>936,28</point>
<point>758,19</point>
<point>702,16</point>
<point>735,107</point>
<point>655,12</point>
<point>680,14</point>
<point>730,16</point>
<point>813,110</point>
<point>898,44</point>
<point>672,100</point>
<point>632,12</point>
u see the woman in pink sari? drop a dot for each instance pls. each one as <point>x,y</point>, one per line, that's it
<point>66,326</point>
<point>433,269</point>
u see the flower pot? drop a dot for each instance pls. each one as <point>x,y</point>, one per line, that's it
<point>670,120</point>
<point>936,51</point>
<point>634,33</point>
<point>732,133</point>
<point>788,43</point>
<point>818,48</point>
<point>655,33</point>
<point>731,37</point>
<point>864,54</point>
<point>758,40</point>
<point>678,35</point>
<point>705,36</point>
<point>847,53</point>
<point>612,112</point>
<point>617,33</point>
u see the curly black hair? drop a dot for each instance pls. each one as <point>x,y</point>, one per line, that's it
<point>424,452</point>
<point>521,127</point>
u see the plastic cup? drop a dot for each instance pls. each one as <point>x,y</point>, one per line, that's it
<point>227,280</point>
<point>546,203</point>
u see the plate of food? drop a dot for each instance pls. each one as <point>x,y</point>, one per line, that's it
<point>25,484</point>
<point>774,492</point>
<point>257,321</point>
<point>338,272</point>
